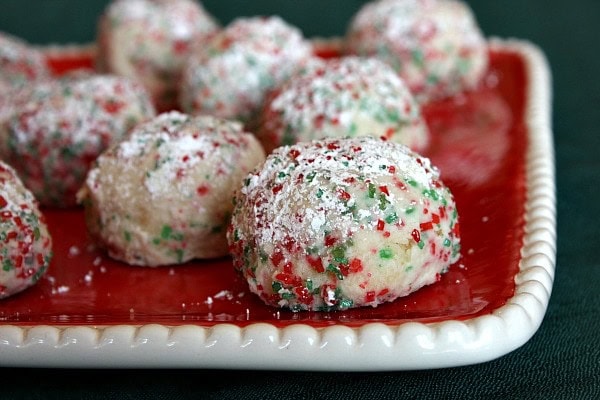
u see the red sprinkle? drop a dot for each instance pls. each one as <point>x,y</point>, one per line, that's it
<point>329,241</point>
<point>416,235</point>
<point>355,265</point>
<point>370,296</point>
<point>343,194</point>
<point>426,226</point>
<point>277,188</point>
<point>316,263</point>
<point>202,190</point>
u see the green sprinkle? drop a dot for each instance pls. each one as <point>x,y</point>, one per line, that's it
<point>412,182</point>
<point>339,254</point>
<point>319,193</point>
<point>392,218</point>
<point>276,286</point>
<point>263,256</point>
<point>179,255</point>
<point>447,242</point>
<point>36,233</point>
<point>418,58</point>
<point>165,233</point>
<point>309,284</point>
<point>408,268</point>
<point>372,190</point>
<point>383,202</point>
<point>287,295</point>
<point>346,303</point>
<point>336,270</point>
<point>311,176</point>
<point>386,254</point>
<point>421,244</point>
<point>127,236</point>
<point>281,174</point>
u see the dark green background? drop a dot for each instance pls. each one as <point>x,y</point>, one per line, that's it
<point>562,360</point>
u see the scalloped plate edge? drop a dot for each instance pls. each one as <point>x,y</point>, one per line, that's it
<point>371,347</point>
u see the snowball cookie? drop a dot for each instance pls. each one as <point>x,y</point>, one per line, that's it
<point>231,74</point>
<point>61,126</point>
<point>435,45</point>
<point>164,195</point>
<point>20,62</point>
<point>150,39</point>
<point>25,244</point>
<point>340,223</point>
<point>344,97</point>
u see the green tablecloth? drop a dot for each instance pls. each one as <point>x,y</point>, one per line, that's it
<point>562,360</point>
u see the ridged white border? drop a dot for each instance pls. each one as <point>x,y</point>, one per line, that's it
<point>372,347</point>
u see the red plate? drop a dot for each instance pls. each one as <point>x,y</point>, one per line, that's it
<point>479,144</point>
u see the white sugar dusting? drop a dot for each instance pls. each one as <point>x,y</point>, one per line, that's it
<point>326,171</point>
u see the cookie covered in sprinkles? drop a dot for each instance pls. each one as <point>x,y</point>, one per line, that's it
<point>335,224</point>
<point>230,76</point>
<point>163,195</point>
<point>25,243</point>
<point>343,97</point>
<point>436,46</point>
<point>62,125</point>
<point>150,40</point>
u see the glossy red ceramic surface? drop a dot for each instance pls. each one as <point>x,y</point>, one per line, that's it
<point>479,144</point>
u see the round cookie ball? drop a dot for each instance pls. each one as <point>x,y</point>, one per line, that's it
<point>61,126</point>
<point>26,244</point>
<point>150,39</point>
<point>343,97</point>
<point>436,46</point>
<point>20,63</point>
<point>334,224</point>
<point>164,195</point>
<point>230,76</point>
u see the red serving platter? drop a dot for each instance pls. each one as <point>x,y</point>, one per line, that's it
<point>479,144</point>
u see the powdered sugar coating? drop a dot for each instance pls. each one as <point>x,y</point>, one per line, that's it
<point>26,244</point>
<point>344,97</point>
<point>163,195</point>
<point>230,75</point>
<point>62,125</point>
<point>435,45</point>
<point>342,223</point>
<point>150,39</point>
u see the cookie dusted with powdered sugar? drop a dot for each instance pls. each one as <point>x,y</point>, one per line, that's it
<point>61,126</point>
<point>25,243</point>
<point>344,97</point>
<point>334,224</point>
<point>230,76</point>
<point>163,195</point>
<point>436,46</point>
<point>150,39</point>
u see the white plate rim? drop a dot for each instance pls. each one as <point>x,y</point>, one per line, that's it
<point>371,347</point>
